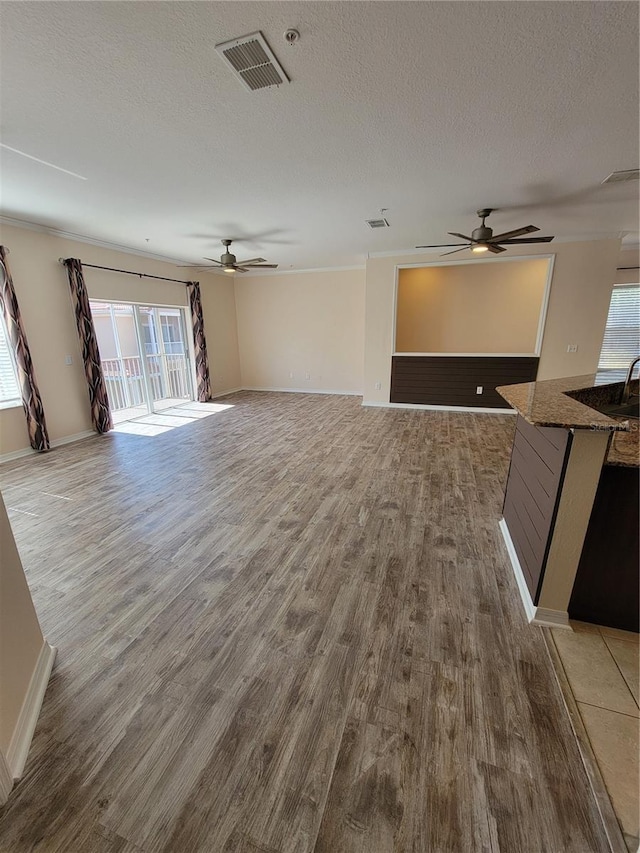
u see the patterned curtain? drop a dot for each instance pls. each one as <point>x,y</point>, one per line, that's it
<point>31,400</point>
<point>100,412</point>
<point>199,341</point>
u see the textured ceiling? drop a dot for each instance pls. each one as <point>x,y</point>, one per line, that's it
<point>429,109</point>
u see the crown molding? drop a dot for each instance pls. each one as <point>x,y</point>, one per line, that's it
<point>93,241</point>
<point>302,271</point>
<point>632,244</point>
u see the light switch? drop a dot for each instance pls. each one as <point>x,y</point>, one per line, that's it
<point>572,347</point>
<point>68,359</point>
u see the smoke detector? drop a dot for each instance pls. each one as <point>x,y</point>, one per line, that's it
<point>252,61</point>
<point>622,177</point>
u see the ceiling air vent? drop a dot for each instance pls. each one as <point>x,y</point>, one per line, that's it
<point>252,61</point>
<point>622,177</point>
<point>377,223</point>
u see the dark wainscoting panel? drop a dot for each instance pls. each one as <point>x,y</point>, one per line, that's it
<point>452,380</point>
<point>538,461</point>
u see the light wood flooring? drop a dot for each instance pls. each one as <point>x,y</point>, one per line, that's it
<point>289,627</point>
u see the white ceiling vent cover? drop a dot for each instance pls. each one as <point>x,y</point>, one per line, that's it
<point>377,223</point>
<point>252,62</point>
<point>622,177</point>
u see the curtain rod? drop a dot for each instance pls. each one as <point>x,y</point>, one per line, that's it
<point>628,268</point>
<point>130,272</point>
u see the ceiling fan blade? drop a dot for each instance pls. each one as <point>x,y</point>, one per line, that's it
<point>456,250</point>
<point>220,264</point>
<point>495,249</point>
<point>264,267</point>
<point>251,261</point>
<point>529,240</point>
<point>528,229</point>
<point>197,266</point>
<point>438,246</point>
<point>241,269</point>
<point>462,236</point>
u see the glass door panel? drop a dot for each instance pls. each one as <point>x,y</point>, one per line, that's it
<point>167,355</point>
<point>145,358</point>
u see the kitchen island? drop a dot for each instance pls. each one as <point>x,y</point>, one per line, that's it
<point>558,502</point>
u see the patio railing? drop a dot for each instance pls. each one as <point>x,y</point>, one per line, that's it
<point>168,375</point>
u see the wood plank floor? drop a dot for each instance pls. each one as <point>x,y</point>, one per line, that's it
<point>289,627</point>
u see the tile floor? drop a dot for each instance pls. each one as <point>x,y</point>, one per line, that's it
<point>602,667</point>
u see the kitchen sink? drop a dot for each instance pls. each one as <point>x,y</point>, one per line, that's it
<point>630,409</point>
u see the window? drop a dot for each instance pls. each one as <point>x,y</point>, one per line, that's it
<point>621,342</point>
<point>9,388</point>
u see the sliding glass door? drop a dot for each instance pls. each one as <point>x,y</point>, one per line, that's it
<point>145,357</point>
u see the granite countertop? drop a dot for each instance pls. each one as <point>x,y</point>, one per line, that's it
<point>561,403</point>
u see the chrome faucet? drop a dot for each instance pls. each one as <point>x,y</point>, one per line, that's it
<point>627,381</point>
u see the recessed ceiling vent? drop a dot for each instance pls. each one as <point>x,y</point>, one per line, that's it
<point>252,62</point>
<point>377,223</point>
<point>622,177</point>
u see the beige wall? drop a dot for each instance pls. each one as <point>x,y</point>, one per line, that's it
<point>475,307</point>
<point>583,277</point>
<point>299,323</point>
<point>45,303</point>
<point>221,328</point>
<point>21,639</point>
<point>628,258</point>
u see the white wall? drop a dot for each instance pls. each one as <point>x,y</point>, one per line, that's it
<point>583,277</point>
<point>45,304</point>
<point>302,323</point>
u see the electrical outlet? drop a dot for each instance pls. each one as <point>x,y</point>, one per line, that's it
<point>572,347</point>
<point>291,374</point>
<point>307,375</point>
<point>479,389</point>
<point>68,359</point>
<point>378,386</point>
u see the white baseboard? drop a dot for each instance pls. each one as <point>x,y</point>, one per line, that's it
<point>17,454</point>
<point>420,406</point>
<point>69,439</point>
<point>305,391</point>
<point>536,615</point>
<point>551,618</point>
<point>6,780</point>
<point>56,442</point>
<point>224,393</point>
<point>25,727</point>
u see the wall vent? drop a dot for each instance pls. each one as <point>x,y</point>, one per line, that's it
<point>252,62</point>
<point>622,177</point>
<point>377,223</point>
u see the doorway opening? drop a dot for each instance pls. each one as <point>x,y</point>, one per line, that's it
<point>145,357</point>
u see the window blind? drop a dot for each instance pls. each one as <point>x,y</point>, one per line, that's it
<point>621,342</point>
<point>9,388</point>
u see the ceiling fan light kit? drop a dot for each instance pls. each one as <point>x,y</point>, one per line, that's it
<point>483,240</point>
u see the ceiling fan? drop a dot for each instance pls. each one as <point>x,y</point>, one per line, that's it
<point>228,262</point>
<point>482,239</point>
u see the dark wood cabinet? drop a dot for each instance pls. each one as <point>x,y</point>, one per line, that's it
<point>607,586</point>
